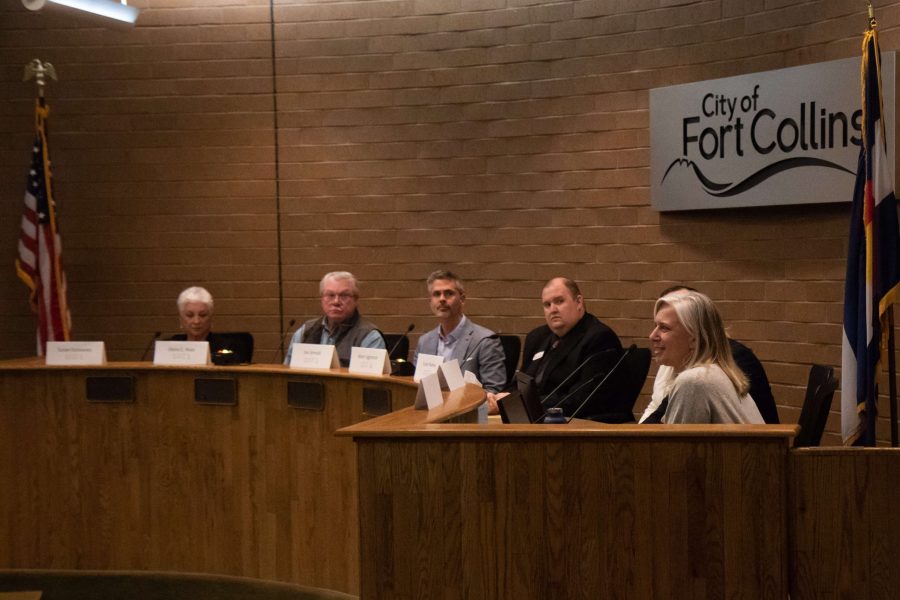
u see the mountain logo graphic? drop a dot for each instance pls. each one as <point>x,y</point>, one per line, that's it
<point>723,190</point>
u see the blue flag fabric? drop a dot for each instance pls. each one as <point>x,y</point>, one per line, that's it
<point>872,262</point>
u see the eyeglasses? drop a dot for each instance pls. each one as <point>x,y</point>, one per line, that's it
<point>343,296</point>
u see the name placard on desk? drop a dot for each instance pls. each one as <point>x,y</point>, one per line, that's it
<point>429,395</point>
<point>369,361</point>
<point>450,376</point>
<point>426,364</point>
<point>470,377</point>
<point>181,353</point>
<point>314,356</point>
<point>76,353</point>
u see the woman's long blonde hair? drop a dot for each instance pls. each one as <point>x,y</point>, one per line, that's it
<point>701,319</point>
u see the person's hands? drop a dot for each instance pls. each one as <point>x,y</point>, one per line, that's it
<point>492,398</point>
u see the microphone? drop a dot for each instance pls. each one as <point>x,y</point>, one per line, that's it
<point>399,339</point>
<point>625,354</point>
<point>473,353</point>
<point>574,372</point>
<point>279,351</point>
<point>400,366</point>
<point>150,345</point>
<point>580,387</point>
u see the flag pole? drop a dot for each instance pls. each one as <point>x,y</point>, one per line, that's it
<point>892,376</point>
<point>892,362</point>
<point>39,264</point>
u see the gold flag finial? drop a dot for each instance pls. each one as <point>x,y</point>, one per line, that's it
<point>872,22</point>
<point>39,70</point>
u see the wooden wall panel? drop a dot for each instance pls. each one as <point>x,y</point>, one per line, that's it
<point>845,524</point>
<point>257,490</point>
<point>489,515</point>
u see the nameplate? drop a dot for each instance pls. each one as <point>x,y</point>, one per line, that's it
<point>314,356</point>
<point>181,353</point>
<point>426,364</point>
<point>76,353</point>
<point>450,376</point>
<point>369,361</point>
<point>469,377</point>
<point>429,394</point>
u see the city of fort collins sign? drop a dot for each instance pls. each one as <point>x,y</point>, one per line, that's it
<point>789,136</point>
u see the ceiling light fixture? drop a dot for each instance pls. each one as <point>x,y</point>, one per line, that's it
<point>112,9</point>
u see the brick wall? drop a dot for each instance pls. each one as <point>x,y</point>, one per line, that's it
<point>506,139</point>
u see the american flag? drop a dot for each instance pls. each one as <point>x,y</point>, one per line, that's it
<point>873,270</point>
<point>39,264</point>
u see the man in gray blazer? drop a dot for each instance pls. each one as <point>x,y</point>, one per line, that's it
<point>458,337</point>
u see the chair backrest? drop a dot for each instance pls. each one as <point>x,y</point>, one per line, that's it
<point>819,393</point>
<point>397,345</point>
<point>638,363</point>
<point>231,347</point>
<point>625,386</point>
<point>635,367</point>
<point>512,348</point>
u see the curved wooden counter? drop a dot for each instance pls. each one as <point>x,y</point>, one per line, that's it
<point>584,510</point>
<point>257,489</point>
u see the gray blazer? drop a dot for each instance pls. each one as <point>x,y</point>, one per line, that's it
<point>485,361</point>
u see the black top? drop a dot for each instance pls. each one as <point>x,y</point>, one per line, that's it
<point>591,348</point>
<point>759,383</point>
<point>226,348</point>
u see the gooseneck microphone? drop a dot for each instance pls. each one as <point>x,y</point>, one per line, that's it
<point>396,345</point>
<point>574,372</point>
<point>587,398</point>
<point>150,345</point>
<point>280,350</point>
<point>580,387</point>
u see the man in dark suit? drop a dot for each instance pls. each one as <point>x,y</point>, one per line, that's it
<point>569,355</point>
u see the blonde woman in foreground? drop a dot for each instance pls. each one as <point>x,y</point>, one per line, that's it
<point>704,385</point>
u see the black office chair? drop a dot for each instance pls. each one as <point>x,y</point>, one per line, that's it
<point>512,348</point>
<point>397,345</point>
<point>626,385</point>
<point>819,394</point>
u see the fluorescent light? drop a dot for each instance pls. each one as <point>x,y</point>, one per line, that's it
<point>106,8</point>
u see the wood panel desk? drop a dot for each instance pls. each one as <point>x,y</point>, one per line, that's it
<point>583,510</point>
<point>845,527</point>
<point>258,489</point>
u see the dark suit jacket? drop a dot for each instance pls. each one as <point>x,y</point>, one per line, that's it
<point>759,383</point>
<point>226,348</point>
<point>550,370</point>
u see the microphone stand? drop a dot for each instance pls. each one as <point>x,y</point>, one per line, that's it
<point>630,349</point>
<point>150,345</point>
<point>280,349</point>
<point>574,372</point>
